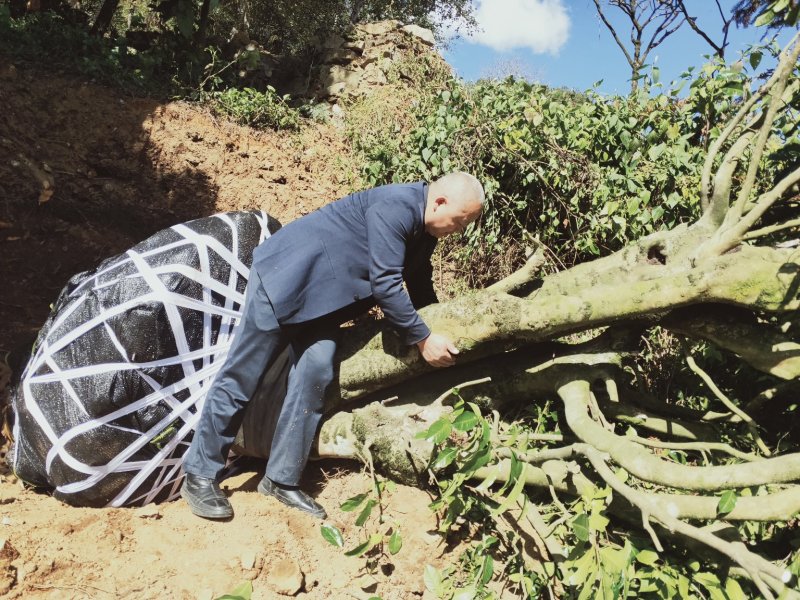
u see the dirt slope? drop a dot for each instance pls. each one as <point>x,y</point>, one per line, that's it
<point>85,172</point>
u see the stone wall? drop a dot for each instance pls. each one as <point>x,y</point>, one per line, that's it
<point>365,58</point>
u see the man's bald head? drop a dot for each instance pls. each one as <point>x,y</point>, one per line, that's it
<point>454,201</point>
<point>459,186</point>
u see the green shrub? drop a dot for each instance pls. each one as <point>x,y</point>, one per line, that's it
<point>257,109</point>
<point>583,172</point>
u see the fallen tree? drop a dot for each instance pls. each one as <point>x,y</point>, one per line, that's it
<point>723,280</point>
<point>562,347</point>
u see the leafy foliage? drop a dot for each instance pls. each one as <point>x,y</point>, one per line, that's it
<point>771,13</point>
<point>597,559</point>
<point>582,172</point>
<point>257,109</point>
<point>376,534</point>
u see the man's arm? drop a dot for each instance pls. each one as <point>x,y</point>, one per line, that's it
<point>388,232</point>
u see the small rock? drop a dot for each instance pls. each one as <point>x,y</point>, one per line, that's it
<point>342,56</point>
<point>425,35</point>
<point>6,521</point>
<point>149,511</point>
<point>355,45</point>
<point>379,28</point>
<point>7,551</point>
<point>366,582</point>
<point>248,559</point>
<point>286,577</point>
<point>432,538</point>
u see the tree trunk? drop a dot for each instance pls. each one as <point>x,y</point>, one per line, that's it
<point>104,17</point>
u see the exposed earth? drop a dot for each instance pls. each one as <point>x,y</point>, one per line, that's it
<point>86,172</point>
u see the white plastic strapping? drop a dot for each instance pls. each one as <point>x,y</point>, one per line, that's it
<point>198,356</point>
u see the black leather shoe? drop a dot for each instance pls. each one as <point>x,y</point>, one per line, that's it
<point>292,497</point>
<point>205,498</point>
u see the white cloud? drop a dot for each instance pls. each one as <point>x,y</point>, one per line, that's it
<point>541,25</point>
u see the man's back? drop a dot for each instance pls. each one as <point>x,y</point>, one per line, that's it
<point>349,251</point>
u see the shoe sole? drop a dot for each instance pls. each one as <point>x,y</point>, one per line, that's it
<point>204,512</point>
<point>268,491</point>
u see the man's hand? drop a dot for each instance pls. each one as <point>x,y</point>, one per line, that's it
<point>438,350</point>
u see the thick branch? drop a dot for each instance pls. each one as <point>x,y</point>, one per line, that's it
<point>521,278</point>
<point>484,323</point>
<point>625,413</point>
<point>758,344</point>
<point>642,464</point>
<point>754,565</point>
<point>777,506</point>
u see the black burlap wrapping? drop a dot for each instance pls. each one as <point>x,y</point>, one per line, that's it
<point>107,404</point>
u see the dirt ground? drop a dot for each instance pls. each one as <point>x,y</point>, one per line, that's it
<point>85,172</point>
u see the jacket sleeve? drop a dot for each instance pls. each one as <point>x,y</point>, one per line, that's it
<point>389,229</point>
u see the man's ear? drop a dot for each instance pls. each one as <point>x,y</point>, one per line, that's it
<point>440,201</point>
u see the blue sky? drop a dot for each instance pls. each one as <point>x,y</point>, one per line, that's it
<point>564,43</point>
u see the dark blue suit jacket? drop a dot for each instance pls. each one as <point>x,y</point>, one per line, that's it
<point>351,254</point>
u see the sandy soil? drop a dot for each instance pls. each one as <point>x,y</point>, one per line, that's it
<point>85,172</point>
<point>166,552</point>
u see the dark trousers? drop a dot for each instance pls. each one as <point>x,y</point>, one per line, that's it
<point>259,340</point>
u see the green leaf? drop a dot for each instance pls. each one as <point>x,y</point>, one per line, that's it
<point>362,518</point>
<point>243,591</point>
<point>332,535</point>
<point>466,421</point>
<point>426,154</point>
<point>353,503</point>
<point>755,59</point>
<point>467,593</point>
<point>734,590</point>
<point>656,151</point>
<point>395,542</point>
<point>437,432</point>
<point>613,560</point>
<point>444,458</point>
<point>580,526</point>
<point>598,522</point>
<point>727,502</point>
<point>512,496</point>
<point>433,579</point>
<point>647,557</point>
<point>487,569</point>
<point>683,586</point>
<point>765,18</point>
<point>358,550</point>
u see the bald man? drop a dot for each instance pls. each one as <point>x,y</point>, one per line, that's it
<point>312,275</point>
